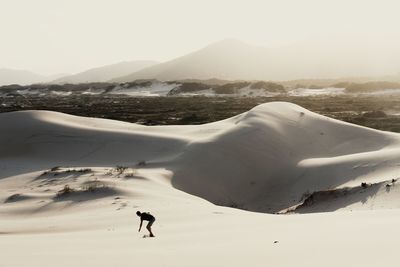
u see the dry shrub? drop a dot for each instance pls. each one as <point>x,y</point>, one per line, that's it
<point>65,191</point>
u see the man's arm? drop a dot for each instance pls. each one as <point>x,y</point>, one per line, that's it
<point>141,222</point>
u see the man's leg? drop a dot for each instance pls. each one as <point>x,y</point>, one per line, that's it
<point>148,227</point>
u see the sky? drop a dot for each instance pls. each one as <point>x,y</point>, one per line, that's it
<point>68,36</point>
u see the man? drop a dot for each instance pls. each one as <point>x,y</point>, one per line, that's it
<point>145,216</point>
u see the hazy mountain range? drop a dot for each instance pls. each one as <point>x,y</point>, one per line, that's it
<point>100,74</point>
<point>231,59</point>
<point>105,73</point>
<point>24,77</point>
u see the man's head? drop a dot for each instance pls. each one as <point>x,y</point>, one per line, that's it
<point>138,213</point>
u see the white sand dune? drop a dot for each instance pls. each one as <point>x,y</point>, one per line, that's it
<point>273,154</point>
<point>267,160</point>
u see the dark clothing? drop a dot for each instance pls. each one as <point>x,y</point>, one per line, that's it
<point>147,217</point>
<point>151,222</point>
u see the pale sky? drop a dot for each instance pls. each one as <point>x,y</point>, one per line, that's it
<point>68,36</point>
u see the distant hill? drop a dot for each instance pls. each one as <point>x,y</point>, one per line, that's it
<point>234,60</point>
<point>22,77</point>
<point>105,73</point>
<point>226,60</point>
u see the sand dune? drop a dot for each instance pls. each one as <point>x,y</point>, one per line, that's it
<point>277,152</point>
<point>263,160</point>
<point>269,159</point>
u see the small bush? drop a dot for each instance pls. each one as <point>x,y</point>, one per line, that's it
<point>84,170</point>
<point>65,191</point>
<point>12,198</point>
<point>121,169</point>
<point>44,173</point>
<point>130,174</point>
<point>141,163</point>
<point>93,186</point>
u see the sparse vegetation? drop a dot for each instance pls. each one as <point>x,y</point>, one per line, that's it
<point>120,169</point>
<point>268,86</point>
<point>84,170</point>
<point>94,186</point>
<point>131,174</point>
<point>44,173</point>
<point>73,170</point>
<point>58,170</point>
<point>141,163</point>
<point>189,87</point>
<point>12,198</point>
<point>198,110</point>
<point>91,186</point>
<point>65,191</point>
<point>370,86</point>
<point>230,88</point>
<point>364,185</point>
<point>109,172</point>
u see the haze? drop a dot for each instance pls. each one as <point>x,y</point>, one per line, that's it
<point>54,36</point>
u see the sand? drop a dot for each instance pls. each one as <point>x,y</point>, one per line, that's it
<point>269,160</point>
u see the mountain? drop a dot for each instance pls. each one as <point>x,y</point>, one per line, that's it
<point>234,60</point>
<point>22,77</point>
<point>105,73</point>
